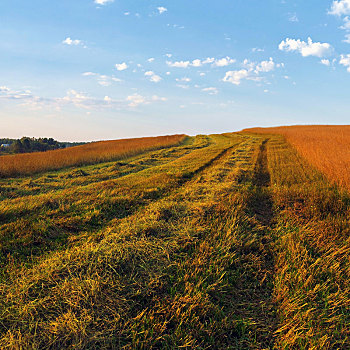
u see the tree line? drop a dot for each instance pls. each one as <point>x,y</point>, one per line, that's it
<point>31,144</point>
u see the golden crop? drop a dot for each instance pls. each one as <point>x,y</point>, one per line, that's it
<point>91,153</point>
<point>327,148</point>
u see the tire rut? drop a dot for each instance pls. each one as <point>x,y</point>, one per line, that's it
<point>255,301</point>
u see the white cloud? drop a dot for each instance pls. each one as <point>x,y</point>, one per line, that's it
<point>223,62</point>
<point>69,41</point>
<point>169,55</point>
<point>325,62</point>
<point>196,63</point>
<point>251,71</point>
<point>248,64</point>
<point>340,7</point>
<point>78,99</point>
<point>265,66</point>
<point>184,79</point>
<point>209,60</point>
<point>102,2</point>
<point>202,74</point>
<point>308,48</point>
<point>236,76</point>
<point>167,73</point>
<point>162,9</point>
<point>121,66</point>
<point>211,90</point>
<point>345,61</point>
<point>126,13</point>
<point>151,59</point>
<point>154,78</point>
<point>179,64</point>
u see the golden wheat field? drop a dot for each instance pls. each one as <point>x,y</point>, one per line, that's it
<point>30,163</point>
<point>231,241</point>
<point>325,147</point>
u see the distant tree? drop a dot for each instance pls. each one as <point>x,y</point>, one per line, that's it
<point>17,147</point>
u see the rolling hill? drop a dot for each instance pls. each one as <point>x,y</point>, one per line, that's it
<point>231,241</point>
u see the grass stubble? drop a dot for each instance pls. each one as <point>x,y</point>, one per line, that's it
<point>226,241</point>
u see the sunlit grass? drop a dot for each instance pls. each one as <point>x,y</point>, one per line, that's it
<point>31,163</point>
<point>218,242</point>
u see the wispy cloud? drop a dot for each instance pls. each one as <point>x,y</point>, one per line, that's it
<point>347,39</point>
<point>256,49</point>
<point>211,90</point>
<point>74,98</point>
<point>136,100</point>
<point>346,25</point>
<point>184,79</point>
<point>103,80</point>
<point>293,17</point>
<point>183,86</point>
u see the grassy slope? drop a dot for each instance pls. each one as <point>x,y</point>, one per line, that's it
<point>226,242</point>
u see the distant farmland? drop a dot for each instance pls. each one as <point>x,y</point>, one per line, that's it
<point>229,241</point>
<point>25,164</point>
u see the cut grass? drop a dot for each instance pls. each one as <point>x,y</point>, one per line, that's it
<point>224,242</point>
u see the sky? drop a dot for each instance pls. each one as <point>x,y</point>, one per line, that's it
<point>87,70</point>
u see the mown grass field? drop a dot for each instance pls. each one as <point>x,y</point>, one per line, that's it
<point>226,241</point>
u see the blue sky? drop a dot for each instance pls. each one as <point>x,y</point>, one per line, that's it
<point>103,69</point>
